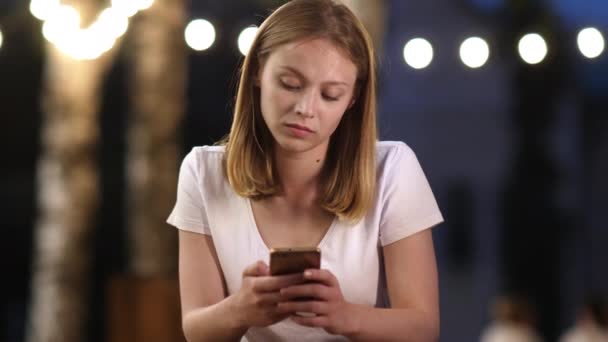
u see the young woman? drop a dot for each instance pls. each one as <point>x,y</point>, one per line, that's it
<point>301,167</point>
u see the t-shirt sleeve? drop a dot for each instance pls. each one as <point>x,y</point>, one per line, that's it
<point>408,204</point>
<point>189,212</point>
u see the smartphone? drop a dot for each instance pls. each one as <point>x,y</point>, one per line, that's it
<point>294,260</point>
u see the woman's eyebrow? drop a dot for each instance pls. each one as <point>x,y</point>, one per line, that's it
<point>301,75</point>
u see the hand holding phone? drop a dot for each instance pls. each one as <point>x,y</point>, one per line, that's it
<point>295,260</point>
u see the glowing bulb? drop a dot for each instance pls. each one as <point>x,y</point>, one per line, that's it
<point>42,9</point>
<point>418,53</point>
<point>246,39</point>
<point>144,4</point>
<point>199,34</point>
<point>474,52</point>
<point>1,38</point>
<point>112,21</point>
<point>532,48</point>
<point>591,42</point>
<point>127,7</point>
<point>62,22</point>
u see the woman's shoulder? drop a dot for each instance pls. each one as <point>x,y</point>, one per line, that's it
<point>205,154</point>
<point>204,159</point>
<point>391,151</point>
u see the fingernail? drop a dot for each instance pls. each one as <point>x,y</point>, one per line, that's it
<point>307,273</point>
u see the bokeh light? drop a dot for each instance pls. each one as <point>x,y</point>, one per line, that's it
<point>532,48</point>
<point>127,7</point>
<point>199,34</point>
<point>418,53</point>
<point>113,22</point>
<point>246,39</point>
<point>42,9</point>
<point>474,52</point>
<point>61,23</point>
<point>591,42</point>
<point>144,4</point>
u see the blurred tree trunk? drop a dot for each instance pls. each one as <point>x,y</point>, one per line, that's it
<point>373,15</point>
<point>68,193</point>
<point>158,85</point>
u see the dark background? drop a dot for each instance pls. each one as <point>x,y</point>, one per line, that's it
<point>517,155</point>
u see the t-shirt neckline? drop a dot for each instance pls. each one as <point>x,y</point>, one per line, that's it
<point>261,241</point>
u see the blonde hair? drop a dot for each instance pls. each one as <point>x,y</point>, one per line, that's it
<point>349,174</point>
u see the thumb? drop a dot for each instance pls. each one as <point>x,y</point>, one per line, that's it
<point>257,269</point>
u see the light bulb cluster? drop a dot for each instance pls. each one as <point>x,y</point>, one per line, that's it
<point>475,51</point>
<point>418,52</point>
<point>200,35</point>
<point>62,26</point>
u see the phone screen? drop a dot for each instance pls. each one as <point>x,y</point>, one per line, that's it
<point>294,260</point>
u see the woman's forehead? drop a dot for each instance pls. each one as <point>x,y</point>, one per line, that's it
<point>318,58</point>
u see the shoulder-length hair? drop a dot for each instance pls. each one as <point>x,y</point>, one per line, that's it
<point>349,173</point>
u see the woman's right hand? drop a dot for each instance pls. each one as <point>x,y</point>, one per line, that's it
<point>255,303</point>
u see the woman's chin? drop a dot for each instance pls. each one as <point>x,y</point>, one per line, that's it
<point>292,145</point>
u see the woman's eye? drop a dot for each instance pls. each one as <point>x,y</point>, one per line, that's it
<point>289,86</point>
<point>330,98</point>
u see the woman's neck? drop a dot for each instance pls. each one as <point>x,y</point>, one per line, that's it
<point>300,173</point>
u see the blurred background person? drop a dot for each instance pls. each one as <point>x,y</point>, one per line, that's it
<point>513,320</point>
<point>591,324</point>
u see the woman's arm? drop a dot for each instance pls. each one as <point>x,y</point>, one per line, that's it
<point>411,275</point>
<point>206,314</point>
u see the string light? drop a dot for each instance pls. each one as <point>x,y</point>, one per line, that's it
<point>62,26</point>
<point>591,42</point>
<point>246,39</point>
<point>199,34</point>
<point>418,53</point>
<point>474,52</point>
<point>1,39</point>
<point>144,4</point>
<point>532,48</point>
<point>43,9</point>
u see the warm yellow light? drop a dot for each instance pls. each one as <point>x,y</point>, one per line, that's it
<point>591,42</point>
<point>113,22</point>
<point>62,26</point>
<point>199,34</point>
<point>62,22</point>
<point>532,48</point>
<point>246,39</point>
<point>127,7</point>
<point>418,53</point>
<point>474,52</point>
<point>42,9</point>
<point>144,4</point>
<point>1,38</point>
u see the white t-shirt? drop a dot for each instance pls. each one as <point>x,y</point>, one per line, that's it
<point>404,205</point>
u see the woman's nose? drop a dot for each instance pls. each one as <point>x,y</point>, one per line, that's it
<point>306,105</point>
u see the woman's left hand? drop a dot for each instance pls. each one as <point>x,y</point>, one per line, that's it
<point>332,312</point>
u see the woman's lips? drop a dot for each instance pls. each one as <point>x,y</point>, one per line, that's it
<point>299,131</point>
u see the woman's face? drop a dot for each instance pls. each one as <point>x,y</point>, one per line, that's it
<point>305,88</point>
